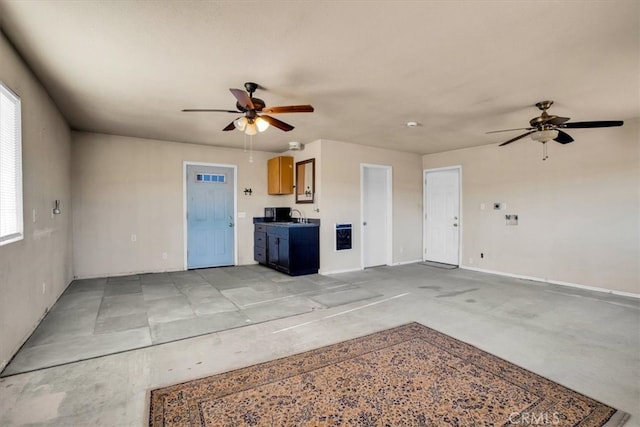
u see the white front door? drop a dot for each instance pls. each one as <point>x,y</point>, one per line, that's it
<point>376,215</point>
<point>442,215</point>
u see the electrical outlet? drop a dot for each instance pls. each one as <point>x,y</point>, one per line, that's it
<point>470,260</point>
<point>164,255</point>
<point>44,287</point>
<point>33,215</point>
<point>482,255</point>
<point>134,237</point>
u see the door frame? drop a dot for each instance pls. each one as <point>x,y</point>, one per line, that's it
<point>457,168</point>
<point>185,233</point>
<point>389,203</point>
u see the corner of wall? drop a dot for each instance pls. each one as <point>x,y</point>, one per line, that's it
<point>36,270</point>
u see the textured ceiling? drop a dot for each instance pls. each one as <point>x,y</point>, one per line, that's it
<point>458,68</point>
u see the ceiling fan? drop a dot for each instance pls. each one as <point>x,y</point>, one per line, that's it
<point>254,120</point>
<point>549,127</point>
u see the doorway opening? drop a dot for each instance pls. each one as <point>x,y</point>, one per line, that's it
<point>376,215</point>
<point>442,218</point>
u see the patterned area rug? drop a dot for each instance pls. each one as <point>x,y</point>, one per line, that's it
<point>406,376</point>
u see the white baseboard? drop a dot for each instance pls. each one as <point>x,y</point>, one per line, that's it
<point>346,270</point>
<point>350,270</point>
<point>553,282</point>
<point>131,273</point>
<point>407,262</point>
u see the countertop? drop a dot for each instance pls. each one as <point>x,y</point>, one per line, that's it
<point>312,222</point>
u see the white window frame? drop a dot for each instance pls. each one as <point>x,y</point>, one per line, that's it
<point>11,210</point>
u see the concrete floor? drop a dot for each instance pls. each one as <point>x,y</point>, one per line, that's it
<point>97,317</point>
<point>585,340</point>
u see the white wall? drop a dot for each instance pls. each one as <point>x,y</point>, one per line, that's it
<point>124,186</point>
<point>578,211</point>
<point>36,270</point>
<point>339,201</point>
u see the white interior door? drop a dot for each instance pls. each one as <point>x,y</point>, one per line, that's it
<point>376,215</point>
<point>442,216</point>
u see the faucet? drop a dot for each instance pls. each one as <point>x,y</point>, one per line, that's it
<point>302,218</point>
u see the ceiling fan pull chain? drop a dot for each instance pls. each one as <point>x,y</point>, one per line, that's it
<point>250,148</point>
<point>545,156</point>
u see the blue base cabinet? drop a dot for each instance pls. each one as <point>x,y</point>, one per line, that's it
<point>291,248</point>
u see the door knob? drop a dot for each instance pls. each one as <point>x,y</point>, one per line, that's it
<point>364,223</point>
<point>230,224</point>
<point>455,225</point>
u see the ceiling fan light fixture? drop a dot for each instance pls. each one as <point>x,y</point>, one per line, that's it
<point>545,135</point>
<point>241,123</point>
<point>251,129</point>
<point>262,124</point>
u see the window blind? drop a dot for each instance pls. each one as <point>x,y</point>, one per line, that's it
<point>11,222</point>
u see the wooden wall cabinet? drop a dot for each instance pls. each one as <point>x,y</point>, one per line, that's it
<point>280,175</point>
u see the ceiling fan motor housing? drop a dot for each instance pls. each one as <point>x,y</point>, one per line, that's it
<point>258,103</point>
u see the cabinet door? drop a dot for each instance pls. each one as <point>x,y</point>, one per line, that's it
<point>283,255</point>
<point>304,251</point>
<point>272,250</point>
<point>280,175</point>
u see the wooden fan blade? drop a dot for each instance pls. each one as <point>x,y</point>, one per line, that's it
<point>600,124</point>
<point>230,126</point>
<point>563,137</point>
<point>209,110</point>
<point>277,123</point>
<point>243,98</point>
<point>508,130</point>
<point>289,109</point>
<point>517,138</point>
